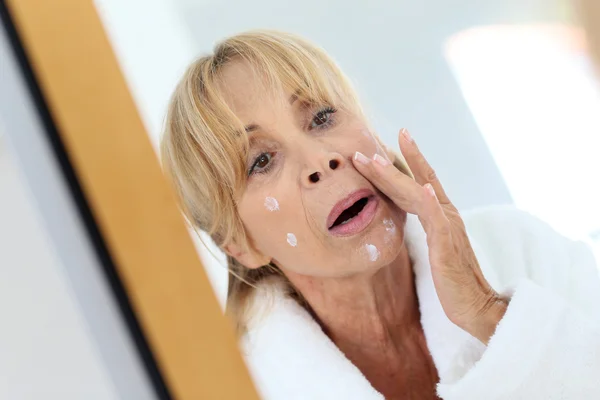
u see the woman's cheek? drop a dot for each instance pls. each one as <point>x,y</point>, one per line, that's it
<point>292,239</point>
<point>271,204</point>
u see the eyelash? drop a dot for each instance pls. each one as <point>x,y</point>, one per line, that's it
<point>327,110</point>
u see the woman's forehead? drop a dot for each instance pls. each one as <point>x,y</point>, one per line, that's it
<point>245,91</point>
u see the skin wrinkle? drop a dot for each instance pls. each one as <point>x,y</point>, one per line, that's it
<point>368,308</point>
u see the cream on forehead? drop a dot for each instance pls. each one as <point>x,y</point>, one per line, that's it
<point>372,251</point>
<point>291,239</point>
<point>271,204</point>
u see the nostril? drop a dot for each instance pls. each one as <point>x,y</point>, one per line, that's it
<point>333,164</point>
<point>314,178</point>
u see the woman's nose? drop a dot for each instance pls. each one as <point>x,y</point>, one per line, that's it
<point>333,162</point>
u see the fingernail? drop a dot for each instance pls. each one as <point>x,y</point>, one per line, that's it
<point>380,160</point>
<point>407,137</point>
<point>430,189</point>
<point>361,158</point>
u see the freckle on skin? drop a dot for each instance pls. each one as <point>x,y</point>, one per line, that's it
<point>291,239</point>
<point>372,251</point>
<point>271,204</point>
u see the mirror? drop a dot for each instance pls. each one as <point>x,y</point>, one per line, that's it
<point>500,98</point>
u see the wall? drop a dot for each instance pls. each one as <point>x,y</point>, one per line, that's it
<point>46,351</point>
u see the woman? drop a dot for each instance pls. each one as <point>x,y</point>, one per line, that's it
<point>356,278</point>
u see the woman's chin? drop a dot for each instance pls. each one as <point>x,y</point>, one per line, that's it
<point>386,242</point>
<point>379,248</point>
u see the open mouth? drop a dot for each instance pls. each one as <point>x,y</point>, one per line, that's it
<point>351,212</point>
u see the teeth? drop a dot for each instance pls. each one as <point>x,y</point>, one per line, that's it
<point>346,221</point>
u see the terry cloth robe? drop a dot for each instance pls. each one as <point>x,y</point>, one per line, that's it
<point>547,345</point>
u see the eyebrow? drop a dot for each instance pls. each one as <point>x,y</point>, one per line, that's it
<point>253,127</point>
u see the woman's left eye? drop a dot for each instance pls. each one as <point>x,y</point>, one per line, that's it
<point>322,118</point>
<point>261,164</point>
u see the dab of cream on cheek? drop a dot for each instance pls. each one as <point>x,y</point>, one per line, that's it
<point>271,204</point>
<point>390,228</point>
<point>291,239</point>
<point>372,252</point>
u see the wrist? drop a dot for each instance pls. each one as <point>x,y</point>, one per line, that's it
<point>483,325</point>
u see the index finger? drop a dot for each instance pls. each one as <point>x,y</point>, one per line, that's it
<point>401,189</point>
<point>420,167</point>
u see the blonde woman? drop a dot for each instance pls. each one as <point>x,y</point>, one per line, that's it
<point>353,277</point>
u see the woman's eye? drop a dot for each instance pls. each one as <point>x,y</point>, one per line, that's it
<point>260,163</point>
<point>262,160</point>
<point>322,117</point>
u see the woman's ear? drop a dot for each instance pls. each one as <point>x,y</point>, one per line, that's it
<point>248,257</point>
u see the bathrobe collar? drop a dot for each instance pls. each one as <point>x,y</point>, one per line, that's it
<point>290,357</point>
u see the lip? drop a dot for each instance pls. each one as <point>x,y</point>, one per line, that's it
<point>360,221</point>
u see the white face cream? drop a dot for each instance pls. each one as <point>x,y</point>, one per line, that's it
<point>372,252</point>
<point>271,204</point>
<point>390,229</point>
<point>291,239</point>
<point>389,225</point>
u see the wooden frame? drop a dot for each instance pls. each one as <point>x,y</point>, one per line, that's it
<point>139,224</point>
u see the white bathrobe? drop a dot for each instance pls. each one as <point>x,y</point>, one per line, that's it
<point>547,346</point>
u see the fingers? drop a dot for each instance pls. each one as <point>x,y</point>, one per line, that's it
<point>436,225</point>
<point>411,197</point>
<point>421,169</point>
<point>401,189</point>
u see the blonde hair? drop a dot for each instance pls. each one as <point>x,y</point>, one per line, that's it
<point>204,145</point>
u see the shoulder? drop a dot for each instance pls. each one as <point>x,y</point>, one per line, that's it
<point>512,244</point>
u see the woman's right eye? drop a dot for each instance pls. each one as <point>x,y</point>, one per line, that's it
<point>261,164</point>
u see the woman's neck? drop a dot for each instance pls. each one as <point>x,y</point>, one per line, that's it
<point>369,309</point>
<point>374,320</point>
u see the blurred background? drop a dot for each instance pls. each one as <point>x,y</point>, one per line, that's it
<point>499,95</point>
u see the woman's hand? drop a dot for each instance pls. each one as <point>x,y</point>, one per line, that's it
<point>466,297</point>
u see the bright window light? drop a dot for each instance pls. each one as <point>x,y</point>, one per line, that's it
<point>534,96</point>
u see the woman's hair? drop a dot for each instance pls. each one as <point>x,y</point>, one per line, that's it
<point>204,145</point>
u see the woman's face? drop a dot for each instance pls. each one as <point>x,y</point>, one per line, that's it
<point>306,208</point>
